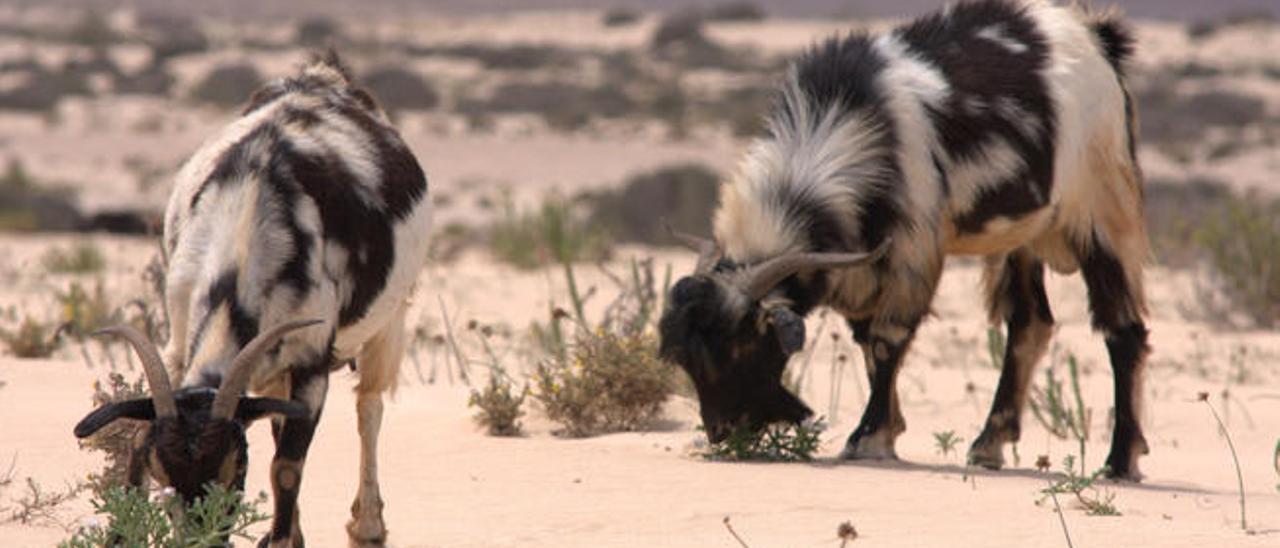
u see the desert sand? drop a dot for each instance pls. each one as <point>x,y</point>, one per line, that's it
<point>447,484</point>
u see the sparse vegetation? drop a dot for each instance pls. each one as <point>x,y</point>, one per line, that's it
<point>136,519</point>
<point>737,11</point>
<point>945,442</point>
<point>81,258</point>
<point>776,442</point>
<point>1242,240</point>
<point>1051,409</point>
<point>114,441</point>
<point>227,86</point>
<point>32,339</point>
<point>685,194</point>
<point>498,402</point>
<point>609,383</point>
<point>84,312</point>
<point>1235,459</point>
<point>397,88</point>
<point>619,17</point>
<point>551,234</point>
<point>1095,500</point>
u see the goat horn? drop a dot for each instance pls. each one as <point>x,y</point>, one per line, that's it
<point>237,380</point>
<point>762,278</point>
<point>708,250</point>
<point>152,365</point>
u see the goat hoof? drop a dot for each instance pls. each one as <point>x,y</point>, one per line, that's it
<point>987,455</point>
<point>366,534</point>
<point>296,542</point>
<point>878,446</point>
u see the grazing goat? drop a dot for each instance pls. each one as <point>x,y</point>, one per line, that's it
<point>292,241</point>
<point>994,128</point>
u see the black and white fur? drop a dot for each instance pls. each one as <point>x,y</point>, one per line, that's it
<point>996,128</point>
<point>309,206</point>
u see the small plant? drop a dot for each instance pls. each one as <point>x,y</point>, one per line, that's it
<point>1204,397</point>
<point>609,382</point>
<point>846,533</point>
<point>776,442</point>
<point>946,441</point>
<point>32,339</point>
<point>1050,407</point>
<point>115,440</point>
<point>499,406</point>
<point>1242,239</point>
<point>1095,501</point>
<point>134,519</point>
<point>84,312</point>
<point>38,504</point>
<point>553,234</point>
<point>81,258</point>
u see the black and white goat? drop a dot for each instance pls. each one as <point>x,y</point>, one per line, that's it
<point>293,239</point>
<point>994,128</point>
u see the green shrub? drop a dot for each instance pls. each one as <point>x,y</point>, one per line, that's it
<point>396,88</point>
<point>318,31</point>
<point>227,86</point>
<point>776,442</point>
<point>135,519</point>
<point>33,339</point>
<point>609,383</point>
<point>1242,239</point>
<point>114,441</point>
<point>552,234</point>
<point>685,194</point>
<point>84,312</point>
<point>499,405</point>
<point>81,258</point>
<point>737,11</point>
<point>620,17</point>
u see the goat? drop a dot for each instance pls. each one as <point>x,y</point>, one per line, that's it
<point>996,128</point>
<point>292,241</point>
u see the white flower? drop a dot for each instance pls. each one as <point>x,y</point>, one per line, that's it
<point>90,522</point>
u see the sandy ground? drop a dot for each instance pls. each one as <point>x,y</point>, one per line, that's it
<point>447,484</point>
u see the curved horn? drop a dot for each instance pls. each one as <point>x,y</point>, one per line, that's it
<point>708,250</point>
<point>761,279</point>
<point>152,365</point>
<point>237,380</point>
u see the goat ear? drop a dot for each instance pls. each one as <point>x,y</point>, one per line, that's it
<point>252,409</point>
<point>139,409</point>
<point>789,328</point>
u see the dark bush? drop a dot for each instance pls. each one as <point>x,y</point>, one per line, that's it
<point>43,89</point>
<point>679,38</point>
<point>28,206</point>
<point>737,11</point>
<point>93,30</point>
<point>513,57</point>
<point>171,35</point>
<point>315,32</point>
<point>396,88</point>
<point>152,80</point>
<point>563,106</point>
<point>1174,211</point>
<point>742,109</point>
<point>228,86</point>
<point>684,195</point>
<point>1242,240</point>
<point>1169,117</point>
<point>620,17</point>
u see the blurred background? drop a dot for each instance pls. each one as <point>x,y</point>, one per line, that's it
<point>600,112</point>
